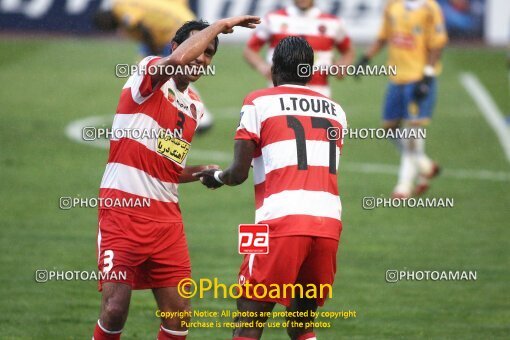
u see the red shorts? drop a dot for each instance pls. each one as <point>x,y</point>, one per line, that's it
<point>291,260</point>
<point>141,253</point>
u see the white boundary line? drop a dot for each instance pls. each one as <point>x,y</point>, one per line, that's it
<point>74,132</point>
<point>488,108</point>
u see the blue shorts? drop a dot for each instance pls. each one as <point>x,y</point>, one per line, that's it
<point>146,51</point>
<point>401,105</point>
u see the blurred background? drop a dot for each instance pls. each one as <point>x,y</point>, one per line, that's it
<point>474,20</point>
<point>57,74</point>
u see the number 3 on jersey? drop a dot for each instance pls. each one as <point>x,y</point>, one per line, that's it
<point>108,261</point>
<point>299,132</point>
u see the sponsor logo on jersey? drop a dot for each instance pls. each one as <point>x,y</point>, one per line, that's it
<point>170,95</point>
<point>175,149</point>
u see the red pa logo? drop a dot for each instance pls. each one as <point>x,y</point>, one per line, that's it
<point>253,239</point>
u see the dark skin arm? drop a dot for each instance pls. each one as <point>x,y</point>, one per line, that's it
<point>376,48</point>
<point>371,53</point>
<point>237,172</point>
<point>434,56</point>
<point>346,59</point>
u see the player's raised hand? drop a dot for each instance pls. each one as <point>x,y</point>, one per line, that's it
<point>248,21</point>
<point>362,62</point>
<point>209,178</point>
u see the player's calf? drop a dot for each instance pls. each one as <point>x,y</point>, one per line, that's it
<point>247,328</point>
<point>299,327</point>
<point>169,300</point>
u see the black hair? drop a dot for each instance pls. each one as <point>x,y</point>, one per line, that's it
<point>195,25</point>
<point>290,54</point>
<point>105,20</point>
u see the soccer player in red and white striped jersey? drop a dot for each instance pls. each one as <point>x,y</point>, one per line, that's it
<point>292,135</point>
<point>142,247</point>
<point>324,32</point>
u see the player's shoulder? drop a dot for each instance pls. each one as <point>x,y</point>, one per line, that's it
<point>282,90</point>
<point>254,95</point>
<point>194,95</point>
<point>328,16</point>
<point>391,4</point>
<point>432,5</point>
<point>278,12</point>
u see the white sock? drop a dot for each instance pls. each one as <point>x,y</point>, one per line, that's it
<point>408,169</point>
<point>423,162</point>
<point>171,332</point>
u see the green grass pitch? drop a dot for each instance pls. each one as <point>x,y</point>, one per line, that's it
<point>48,83</point>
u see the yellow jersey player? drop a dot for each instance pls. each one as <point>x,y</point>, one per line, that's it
<point>153,23</point>
<point>415,33</point>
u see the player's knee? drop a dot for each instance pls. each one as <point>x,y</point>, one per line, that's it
<point>179,323</point>
<point>183,305</point>
<point>390,125</point>
<point>114,314</point>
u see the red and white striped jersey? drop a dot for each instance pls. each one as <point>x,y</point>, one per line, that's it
<point>298,136</point>
<point>149,167</point>
<point>324,32</point>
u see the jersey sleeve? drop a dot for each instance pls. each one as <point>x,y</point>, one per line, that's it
<point>343,123</point>
<point>436,36</point>
<point>249,124</point>
<point>385,30</point>
<point>342,39</point>
<point>261,36</point>
<point>140,83</point>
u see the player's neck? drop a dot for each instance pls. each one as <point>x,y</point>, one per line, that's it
<point>414,4</point>
<point>181,84</point>
<point>290,83</point>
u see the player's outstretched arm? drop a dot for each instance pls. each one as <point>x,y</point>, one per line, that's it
<point>371,52</point>
<point>422,88</point>
<point>195,45</point>
<point>347,58</point>
<point>236,173</point>
<point>257,62</point>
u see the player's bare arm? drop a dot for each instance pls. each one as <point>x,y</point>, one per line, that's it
<point>236,173</point>
<point>347,58</point>
<point>193,47</point>
<point>434,56</point>
<point>373,50</point>
<point>257,62</point>
<point>429,73</point>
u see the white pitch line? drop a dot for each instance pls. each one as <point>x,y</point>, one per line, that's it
<point>488,108</point>
<point>387,169</point>
<point>373,168</point>
<point>74,132</point>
